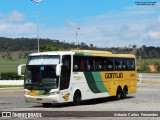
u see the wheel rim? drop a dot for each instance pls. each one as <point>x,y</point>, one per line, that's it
<point>118,94</point>
<point>77,99</point>
<point>125,93</point>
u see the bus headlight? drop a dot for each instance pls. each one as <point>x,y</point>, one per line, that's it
<point>26,92</point>
<point>54,93</point>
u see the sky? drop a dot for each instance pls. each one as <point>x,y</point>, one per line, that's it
<point>103,23</point>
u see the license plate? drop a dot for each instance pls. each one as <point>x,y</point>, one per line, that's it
<point>39,99</point>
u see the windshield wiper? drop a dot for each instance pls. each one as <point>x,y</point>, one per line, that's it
<point>31,85</point>
<point>41,85</point>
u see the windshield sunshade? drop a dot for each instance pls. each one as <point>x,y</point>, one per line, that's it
<point>43,60</point>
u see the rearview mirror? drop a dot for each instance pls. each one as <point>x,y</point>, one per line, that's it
<point>20,69</point>
<point>58,69</point>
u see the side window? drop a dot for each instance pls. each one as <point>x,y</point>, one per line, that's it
<point>66,60</point>
<point>131,64</point>
<point>79,63</point>
<point>83,64</point>
<point>99,66</point>
<point>90,63</point>
<point>108,64</point>
<point>118,64</point>
<point>125,64</point>
<point>76,64</point>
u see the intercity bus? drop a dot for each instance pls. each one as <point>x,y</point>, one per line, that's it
<point>72,76</point>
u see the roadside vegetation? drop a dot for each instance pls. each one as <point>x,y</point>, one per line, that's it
<point>14,52</point>
<point>143,65</point>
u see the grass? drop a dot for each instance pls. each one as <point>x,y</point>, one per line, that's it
<point>10,65</point>
<point>147,61</point>
<point>10,86</point>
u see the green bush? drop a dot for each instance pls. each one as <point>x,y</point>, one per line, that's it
<point>10,76</point>
<point>140,70</point>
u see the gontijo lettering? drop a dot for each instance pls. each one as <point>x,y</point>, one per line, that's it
<point>113,75</point>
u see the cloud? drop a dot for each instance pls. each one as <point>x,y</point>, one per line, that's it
<point>155,35</point>
<point>71,24</point>
<point>12,17</point>
<point>13,24</point>
<point>158,20</point>
<point>133,25</point>
<point>103,31</point>
<point>157,4</point>
<point>123,28</point>
<point>15,16</point>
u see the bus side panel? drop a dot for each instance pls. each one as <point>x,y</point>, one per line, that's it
<point>114,79</point>
<point>131,81</point>
<point>89,85</point>
<point>97,84</point>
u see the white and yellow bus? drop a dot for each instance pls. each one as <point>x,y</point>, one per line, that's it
<point>72,76</point>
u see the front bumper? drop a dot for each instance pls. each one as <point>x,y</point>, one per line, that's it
<point>42,99</point>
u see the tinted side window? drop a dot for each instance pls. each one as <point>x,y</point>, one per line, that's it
<point>118,64</point>
<point>125,64</point>
<point>76,63</point>
<point>79,63</point>
<point>131,64</point>
<point>99,64</point>
<point>90,63</point>
<point>108,64</point>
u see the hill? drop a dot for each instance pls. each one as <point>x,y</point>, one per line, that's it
<point>28,45</point>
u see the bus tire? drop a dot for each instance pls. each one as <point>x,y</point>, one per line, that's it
<point>76,98</point>
<point>125,92</point>
<point>118,93</point>
<point>46,104</point>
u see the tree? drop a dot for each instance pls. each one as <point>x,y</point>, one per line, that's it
<point>91,45</point>
<point>44,48</point>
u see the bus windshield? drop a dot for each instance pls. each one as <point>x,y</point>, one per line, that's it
<point>40,72</point>
<point>40,77</point>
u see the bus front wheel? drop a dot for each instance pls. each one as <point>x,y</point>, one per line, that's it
<point>76,98</point>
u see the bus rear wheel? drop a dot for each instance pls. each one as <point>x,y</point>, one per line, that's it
<point>76,98</point>
<point>46,104</point>
<point>118,94</point>
<point>125,92</point>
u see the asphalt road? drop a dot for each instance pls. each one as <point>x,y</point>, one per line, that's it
<point>150,77</point>
<point>147,98</point>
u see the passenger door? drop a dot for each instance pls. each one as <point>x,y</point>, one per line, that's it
<point>65,72</point>
<point>65,77</point>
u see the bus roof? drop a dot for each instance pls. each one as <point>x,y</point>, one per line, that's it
<point>84,53</point>
<point>52,53</point>
<point>101,53</point>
